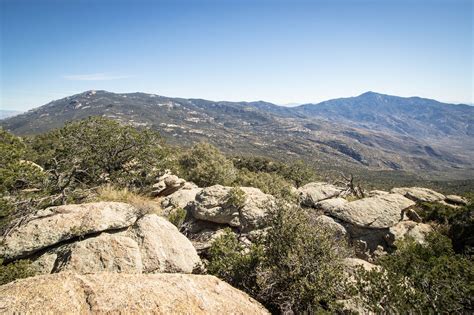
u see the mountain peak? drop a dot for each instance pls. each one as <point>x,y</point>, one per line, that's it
<point>370,93</point>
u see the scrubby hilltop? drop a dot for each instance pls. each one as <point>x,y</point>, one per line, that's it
<point>100,216</point>
<point>370,132</point>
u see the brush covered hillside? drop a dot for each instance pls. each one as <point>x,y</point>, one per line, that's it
<point>368,134</point>
<point>103,217</point>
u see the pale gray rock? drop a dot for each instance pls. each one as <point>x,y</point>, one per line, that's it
<point>211,204</point>
<point>44,264</point>
<point>332,204</point>
<point>179,199</point>
<point>415,230</point>
<point>149,244</point>
<point>312,193</point>
<point>352,264</point>
<point>373,212</point>
<point>419,194</point>
<point>114,293</point>
<point>331,225</point>
<point>106,252</point>
<point>168,184</point>
<point>412,215</point>
<point>205,238</point>
<point>162,247</point>
<point>255,208</point>
<point>457,200</point>
<point>374,193</point>
<point>366,241</point>
<point>57,224</point>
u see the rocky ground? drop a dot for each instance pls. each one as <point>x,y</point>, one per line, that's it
<point>111,257</point>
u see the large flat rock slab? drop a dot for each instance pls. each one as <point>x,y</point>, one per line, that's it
<point>211,204</point>
<point>125,293</point>
<point>107,252</point>
<point>57,224</point>
<point>419,194</point>
<point>151,245</point>
<point>376,212</point>
<point>163,248</point>
<point>312,193</point>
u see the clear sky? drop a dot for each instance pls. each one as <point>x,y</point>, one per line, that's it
<point>279,51</point>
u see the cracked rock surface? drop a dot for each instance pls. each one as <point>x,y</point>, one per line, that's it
<point>376,212</point>
<point>125,293</point>
<point>97,237</point>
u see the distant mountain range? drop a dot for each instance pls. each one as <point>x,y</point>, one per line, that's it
<point>371,131</point>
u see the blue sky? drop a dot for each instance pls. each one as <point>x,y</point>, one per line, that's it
<point>278,51</point>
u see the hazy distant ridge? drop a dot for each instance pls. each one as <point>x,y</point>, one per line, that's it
<point>371,130</point>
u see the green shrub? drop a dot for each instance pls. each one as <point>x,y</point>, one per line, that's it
<point>258,164</point>
<point>233,263</point>
<point>20,179</point>
<point>458,223</point>
<point>299,173</point>
<point>269,183</point>
<point>205,165</point>
<point>177,217</point>
<point>296,173</point>
<point>97,150</point>
<point>418,278</point>
<point>16,270</point>
<point>16,171</point>
<point>236,198</point>
<point>6,210</point>
<point>294,267</point>
<point>437,212</point>
<point>461,230</point>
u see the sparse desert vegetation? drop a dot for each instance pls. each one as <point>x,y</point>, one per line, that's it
<point>273,230</point>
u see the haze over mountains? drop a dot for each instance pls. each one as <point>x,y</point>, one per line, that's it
<point>5,113</point>
<point>371,131</point>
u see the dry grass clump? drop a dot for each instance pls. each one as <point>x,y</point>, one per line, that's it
<point>143,203</point>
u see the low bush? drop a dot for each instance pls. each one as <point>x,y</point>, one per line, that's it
<point>96,151</point>
<point>177,217</point>
<point>294,267</point>
<point>233,263</point>
<point>21,181</point>
<point>295,173</point>
<point>16,270</point>
<point>236,198</point>
<point>419,278</point>
<point>456,223</point>
<point>269,183</point>
<point>205,165</point>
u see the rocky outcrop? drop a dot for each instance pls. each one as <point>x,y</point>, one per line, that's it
<point>179,199</point>
<point>332,204</point>
<point>125,293</point>
<point>419,194</point>
<point>312,193</point>
<point>414,230</point>
<point>331,225</point>
<point>95,237</point>
<point>106,252</point>
<point>377,212</point>
<point>374,193</point>
<point>57,224</point>
<point>162,247</point>
<point>352,264</point>
<point>456,200</point>
<point>354,304</point>
<point>168,184</point>
<point>212,204</point>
